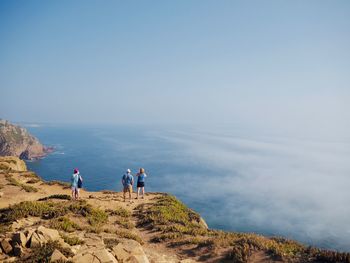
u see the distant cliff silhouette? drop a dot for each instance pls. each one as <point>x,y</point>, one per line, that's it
<point>17,141</point>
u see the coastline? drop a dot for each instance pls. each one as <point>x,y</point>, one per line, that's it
<point>160,223</point>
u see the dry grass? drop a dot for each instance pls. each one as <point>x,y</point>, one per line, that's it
<point>129,235</point>
<point>14,182</point>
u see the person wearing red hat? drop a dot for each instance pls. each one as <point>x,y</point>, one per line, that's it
<point>76,184</point>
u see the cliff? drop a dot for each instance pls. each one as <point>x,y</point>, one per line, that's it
<point>40,223</point>
<point>16,141</point>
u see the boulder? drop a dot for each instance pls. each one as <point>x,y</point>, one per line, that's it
<point>156,257</point>
<point>24,223</point>
<point>6,246</point>
<point>48,234</point>
<point>19,238</point>
<point>132,247</point>
<point>104,256</point>
<point>36,240</point>
<point>120,253</point>
<point>130,251</point>
<point>57,256</point>
<point>83,258</point>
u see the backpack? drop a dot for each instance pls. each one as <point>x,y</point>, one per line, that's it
<point>80,182</point>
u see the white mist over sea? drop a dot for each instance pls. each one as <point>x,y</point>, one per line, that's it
<point>237,179</point>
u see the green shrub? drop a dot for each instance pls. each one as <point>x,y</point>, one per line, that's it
<point>56,196</point>
<point>95,216</point>
<point>167,209</point>
<point>65,224</point>
<point>72,241</point>
<point>166,237</point>
<point>44,210</point>
<point>120,211</point>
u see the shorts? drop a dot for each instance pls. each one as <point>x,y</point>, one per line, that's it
<point>75,189</point>
<point>140,184</point>
<point>127,188</point>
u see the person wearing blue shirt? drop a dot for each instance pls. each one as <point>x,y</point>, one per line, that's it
<point>141,182</point>
<point>76,181</point>
<point>127,181</point>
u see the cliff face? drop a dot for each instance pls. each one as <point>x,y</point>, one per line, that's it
<point>40,223</point>
<point>17,141</point>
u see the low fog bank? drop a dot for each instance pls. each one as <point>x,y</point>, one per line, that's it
<point>298,188</point>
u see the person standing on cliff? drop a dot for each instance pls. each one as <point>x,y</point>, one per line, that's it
<point>127,181</point>
<point>76,183</point>
<point>141,182</point>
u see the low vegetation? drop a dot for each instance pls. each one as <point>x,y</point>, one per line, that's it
<point>129,235</point>
<point>65,224</point>
<point>126,223</point>
<point>57,196</point>
<point>180,226</point>
<point>55,210</point>
<point>120,211</point>
<point>72,240</point>
<point>13,181</point>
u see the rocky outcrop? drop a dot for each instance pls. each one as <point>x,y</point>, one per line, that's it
<point>93,250</point>
<point>11,163</point>
<point>17,141</point>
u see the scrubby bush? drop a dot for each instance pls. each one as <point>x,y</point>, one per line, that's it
<point>120,211</point>
<point>72,241</point>
<point>65,224</point>
<point>56,196</point>
<point>128,234</point>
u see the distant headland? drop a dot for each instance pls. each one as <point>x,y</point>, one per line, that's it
<point>17,141</point>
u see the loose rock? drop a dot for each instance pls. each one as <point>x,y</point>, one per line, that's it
<point>57,255</point>
<point>6,246</point>
<point>49,234</point>
<point>104,256</point>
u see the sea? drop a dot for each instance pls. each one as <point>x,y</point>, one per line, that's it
<point>237,179</point>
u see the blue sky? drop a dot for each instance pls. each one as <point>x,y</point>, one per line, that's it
<point>276,62</point>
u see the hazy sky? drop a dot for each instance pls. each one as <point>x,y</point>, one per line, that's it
<point>281,62</point>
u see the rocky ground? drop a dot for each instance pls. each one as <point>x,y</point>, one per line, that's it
<point>40,223</point>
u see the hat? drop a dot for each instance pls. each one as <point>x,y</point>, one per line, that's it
<point>128,171</point>
<point>76,170</point>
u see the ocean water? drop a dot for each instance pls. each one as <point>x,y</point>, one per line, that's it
<point>236,179</point>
